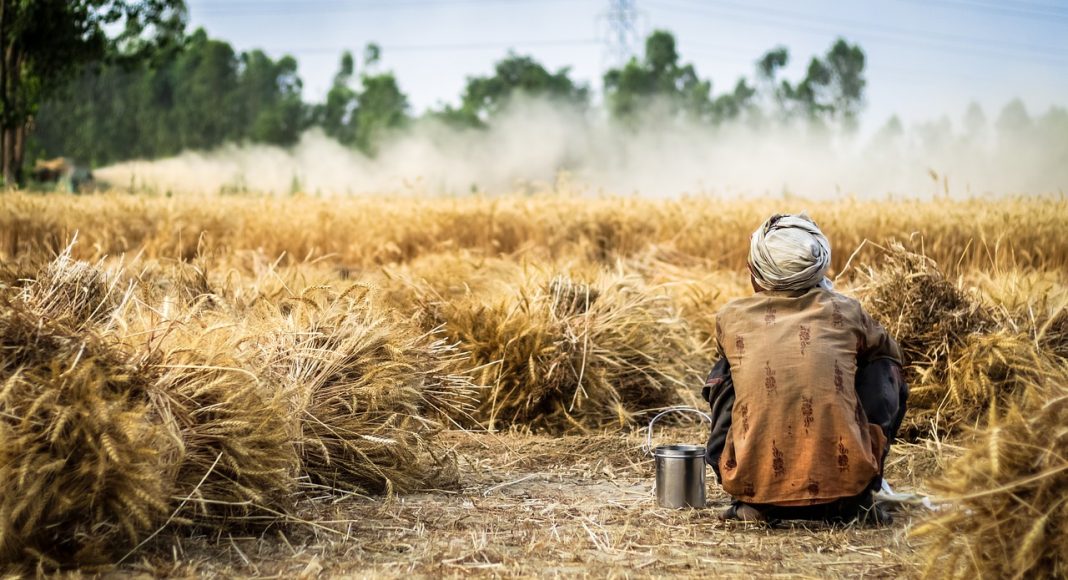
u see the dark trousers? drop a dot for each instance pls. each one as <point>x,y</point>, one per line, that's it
<point>839,511</point>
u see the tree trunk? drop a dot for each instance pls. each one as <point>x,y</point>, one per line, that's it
<point>17,153</point>
<point>12,124</point>
<point>16,125</point>
<point>4,155</point>
<point>5,104</point>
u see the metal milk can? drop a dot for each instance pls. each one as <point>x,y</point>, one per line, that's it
<point>680,469</point>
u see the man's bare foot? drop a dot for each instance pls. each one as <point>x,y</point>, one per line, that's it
<point>742,512</point>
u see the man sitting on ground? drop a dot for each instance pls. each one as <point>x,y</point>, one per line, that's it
<point>808,392</point>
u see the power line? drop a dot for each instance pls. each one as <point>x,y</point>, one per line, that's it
<point>444,46</point>
<point>224,8</point>
<point>623,39</point>
<point>859,25</point>
<point>901,37</point>
<point>1044,13</point>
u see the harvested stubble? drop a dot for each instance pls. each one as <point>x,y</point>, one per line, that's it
<point>559,354</point>
<point>369,393</point>
<point>81,455</point>
<point>1008,513</point>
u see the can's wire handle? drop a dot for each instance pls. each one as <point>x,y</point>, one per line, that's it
<point>648,449</point>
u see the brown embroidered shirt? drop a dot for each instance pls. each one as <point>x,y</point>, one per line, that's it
<point>798,433</point>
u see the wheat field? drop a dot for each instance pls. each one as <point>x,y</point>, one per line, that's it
<point>453,386</point>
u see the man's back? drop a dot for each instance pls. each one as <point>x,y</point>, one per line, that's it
<point>799,435</point>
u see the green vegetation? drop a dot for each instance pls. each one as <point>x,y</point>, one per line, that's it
<point>513,76</point>
<point>42,42</point>
<point>155,90</point>
<point>198,93</point>
<point>357,116</point>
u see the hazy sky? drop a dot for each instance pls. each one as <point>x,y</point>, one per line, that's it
<point>926,58</point>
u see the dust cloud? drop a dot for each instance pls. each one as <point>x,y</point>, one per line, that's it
<point>536,145</point>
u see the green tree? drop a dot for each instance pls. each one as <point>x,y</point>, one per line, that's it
<point>44,42</point>
<point>269,98</point>
<point>1050,143</point>
<point>735,104</point>
<point>359,116</point>
<point>335,115</point>
<point>196,92</point>
<point>513,76</point>
<point>832,89</point>
<point>381,106</point>
<point>205,112</point>
<point>768,68</point>
<point>845,62</point>
<point>658,77</point>
<point>893,130</point>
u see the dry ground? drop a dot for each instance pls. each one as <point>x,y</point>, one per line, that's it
<point>529,505</point>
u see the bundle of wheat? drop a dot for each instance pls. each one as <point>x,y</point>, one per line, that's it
<point>368,393</point>
<point>1008,515</point>
<point>1053,333</point>
<point>1034,302</point>
<point>81,454</point>
<point>420,289</point>
<point>176,285</point>
<point>984,368</point>
<point>236,458</point>
<point>697,288</point>
<point>83,291</point>
<point>560,354</point>
<point>936,324</point>
<point>924,311</point>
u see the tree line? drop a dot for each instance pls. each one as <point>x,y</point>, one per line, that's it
<point>154,89</point>
<point>102,81</point>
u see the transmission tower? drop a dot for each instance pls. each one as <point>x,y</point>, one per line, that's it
<point>621,41</point>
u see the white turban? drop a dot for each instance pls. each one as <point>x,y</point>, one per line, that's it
<point>789,252</point>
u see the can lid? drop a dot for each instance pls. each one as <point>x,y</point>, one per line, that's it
<point>687,451</point>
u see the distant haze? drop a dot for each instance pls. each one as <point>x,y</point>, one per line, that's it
<point>534,143</point>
